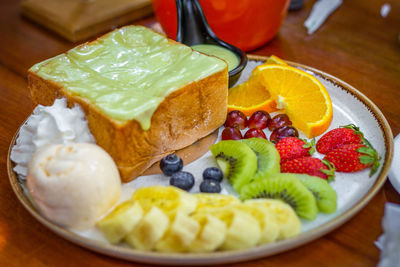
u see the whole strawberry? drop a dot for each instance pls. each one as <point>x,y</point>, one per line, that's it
<point>311,166</point>
<point>292,147</point>
<point>349,134</point>
<point>354,157</point>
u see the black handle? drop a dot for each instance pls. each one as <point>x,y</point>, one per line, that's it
<point>193,29</point>
<point>192,24</point>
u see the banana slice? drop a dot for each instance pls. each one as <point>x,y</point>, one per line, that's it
<point>268,224</point>
<point>149,230</point>
<point>181,233</point>
<point>288,222</point>
<point>210,200</point>
<point>120,221</point>
<point>211,234</point>
<point>243,230</point>
<point>169,199</point>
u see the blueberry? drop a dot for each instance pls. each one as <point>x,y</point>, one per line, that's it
<point>210,186</point>
<point>171,164</point>
<point>213,173</point>
<point>182,180</point>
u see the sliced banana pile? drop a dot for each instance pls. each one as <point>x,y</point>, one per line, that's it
<point>168,219</point>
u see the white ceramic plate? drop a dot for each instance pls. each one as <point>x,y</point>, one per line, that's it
<point>354,190</point>
<point>394,172</point>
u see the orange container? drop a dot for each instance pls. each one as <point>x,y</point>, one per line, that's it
<point>247,24</point>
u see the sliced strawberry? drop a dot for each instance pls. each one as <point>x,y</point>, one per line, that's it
<point>349,134</point>
<point>354,157</point>
<point>292,147</point>
<point>311,166</point>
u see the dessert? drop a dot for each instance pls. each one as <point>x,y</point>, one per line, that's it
<point>286,187</point>
<point>254,133</point>
<point>349,134</point>
<point>237,161</point>
<point>144,95</point>
<point>259,120</point>
<point>55,124</point>
<point>211,234</point>
<point>251,95</point>
<point>293,147</point>
<point>267,157</point>
<point>311,166</point>
<point>266,219</point>
<point>300,95</point>
<point>120,221</point>
<point>306,194</point>
<point>73,185</point>
<point>213,173</point>
<point>169,222</point>
<point>236,118</point>
<point>324,194</point>
<point>243,229</point>
<point>348,150</point>
<point>231,133</point>
<point>182,180</point>
<point>216,50</point>
<point>353,158</point>
<point>288,222</point>
<point>171,164</point>
<point>283,132</point>
<point>161,206</point>
<point>210,186</point>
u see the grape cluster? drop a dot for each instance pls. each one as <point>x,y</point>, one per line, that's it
<point>280,126</point>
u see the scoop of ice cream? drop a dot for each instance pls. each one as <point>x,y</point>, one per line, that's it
<point>56,124</point>
<point>73,185</point>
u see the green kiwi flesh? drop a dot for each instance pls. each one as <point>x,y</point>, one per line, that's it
<point>286,187</point>
<point>324,194</point>
<point>268,158</point>
<point>237,161</point>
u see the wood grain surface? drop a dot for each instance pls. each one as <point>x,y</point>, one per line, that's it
<point>355,44</point>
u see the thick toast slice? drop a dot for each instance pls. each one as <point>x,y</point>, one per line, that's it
<point>188,110</point>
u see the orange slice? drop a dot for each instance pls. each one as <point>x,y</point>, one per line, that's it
<point>304,99</point>
<point>252,96</point>
<point>249,97</point>
<point>275,60</point>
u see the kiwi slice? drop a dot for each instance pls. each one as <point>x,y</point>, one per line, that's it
<point>286,187</point>
<point>236,160</point>
<point>324,194</point>
<point>268,158</point>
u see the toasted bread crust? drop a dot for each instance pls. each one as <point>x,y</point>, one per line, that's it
<point>184,116</point>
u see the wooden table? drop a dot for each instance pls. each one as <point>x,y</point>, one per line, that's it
<point>355,44</point>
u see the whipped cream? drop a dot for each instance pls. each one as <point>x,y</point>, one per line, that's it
<point>56,124</point>
<point>73,185</point>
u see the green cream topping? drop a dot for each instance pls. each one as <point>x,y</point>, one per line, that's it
<point>215,50</point>
<point>128,72</point>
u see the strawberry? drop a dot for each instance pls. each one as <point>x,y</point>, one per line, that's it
<point>354,157</point>
<point>292,147</point>
<point>349,134</point>
<point>311,166</point>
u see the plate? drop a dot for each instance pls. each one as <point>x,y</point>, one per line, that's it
<point>354,190</point>
<point>394,172</point>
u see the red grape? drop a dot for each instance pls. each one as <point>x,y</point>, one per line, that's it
<point>279,121</point>
<point>231,133</point>
<point>236,117</point>
<point>283,132</point>
<point>253,132</point>
<point>259,120</point>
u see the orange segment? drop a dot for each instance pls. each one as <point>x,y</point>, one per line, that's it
<point>304,99</point>
<point>251,96</point>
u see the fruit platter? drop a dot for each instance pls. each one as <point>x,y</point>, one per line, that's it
<point>289,165</point>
